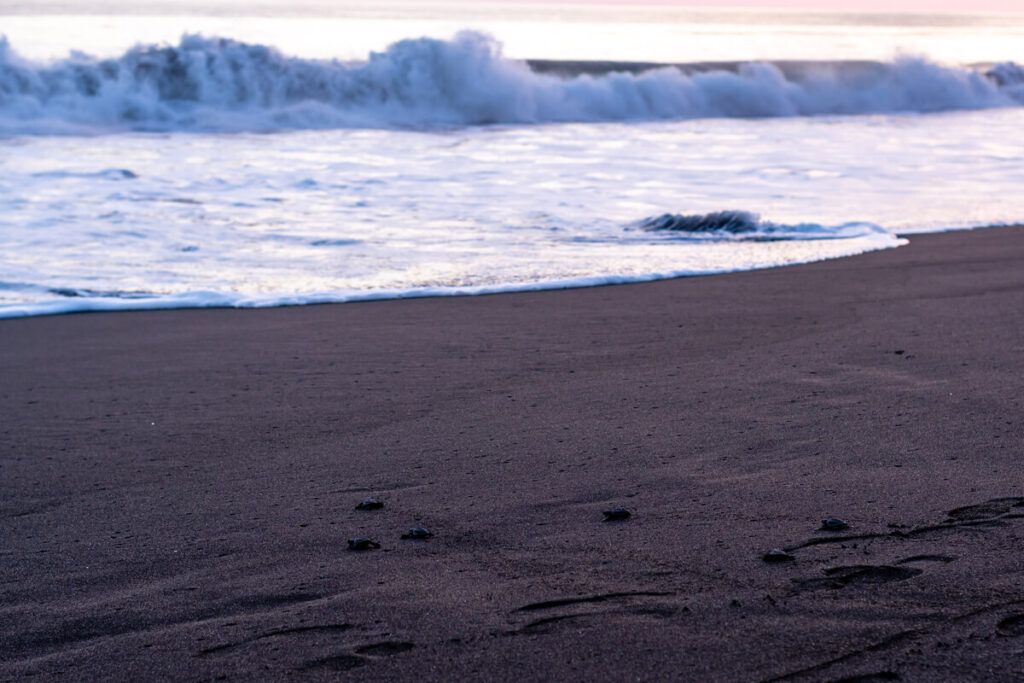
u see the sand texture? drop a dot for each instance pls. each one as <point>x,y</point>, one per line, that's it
<point>178,488</point>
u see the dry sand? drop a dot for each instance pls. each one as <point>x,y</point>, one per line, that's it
<point>178,487</point>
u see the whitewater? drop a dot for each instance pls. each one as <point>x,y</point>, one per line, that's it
<point>211,171</point>
<point>222,85</point>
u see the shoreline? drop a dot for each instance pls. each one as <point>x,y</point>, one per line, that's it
<point>178,485</point>
<point>127,305</point>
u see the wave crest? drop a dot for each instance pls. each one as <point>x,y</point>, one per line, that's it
<point>747,226</point>
<point>734,222</point>
<point>217,84</point>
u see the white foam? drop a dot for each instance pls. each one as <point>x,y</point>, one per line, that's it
<point>213,84</point>
<point>137,220</point>
<point>199,299</point>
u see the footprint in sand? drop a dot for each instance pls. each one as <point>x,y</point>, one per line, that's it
<point>945,559</point>
<point>385,649</point>
<point>347,662</point>
<point>857,575</point>
<point>871,678</point>
<point>586,599</point>
<point>987,510</point>
<point>997,512</point>
<point>1012,626</point>
<point>542,625</point>
<point>316,629</point>
<point>335,663</point>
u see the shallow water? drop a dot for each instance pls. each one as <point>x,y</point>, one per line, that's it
<point>150,199</point>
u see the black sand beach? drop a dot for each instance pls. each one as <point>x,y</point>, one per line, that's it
<point>178,487</point>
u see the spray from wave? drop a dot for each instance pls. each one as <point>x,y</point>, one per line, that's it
<point>214,84</point>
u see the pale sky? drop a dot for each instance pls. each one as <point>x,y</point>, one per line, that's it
<point>845,5</point>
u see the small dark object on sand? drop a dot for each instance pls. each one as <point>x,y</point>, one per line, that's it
<point>617,515</point>
<point>833,524</point>
<point>776,555</point>
<point>370,504</point>
<point>417,534</point>
<point>899,352</point>
<point>362,544</point>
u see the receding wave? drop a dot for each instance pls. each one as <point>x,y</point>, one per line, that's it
<point>215,84</point>
<point>29,299</point>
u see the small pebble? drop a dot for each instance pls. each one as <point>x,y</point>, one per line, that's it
<point>417,534</point>
<point>777,555</point>
<point>362,544</point>
<point>833,524</point>
<point>617,515</point>
<point>370,504</point>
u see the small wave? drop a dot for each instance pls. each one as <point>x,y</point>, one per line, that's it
<point>216,84</point>
<point>747,226</point>
<point>82,293</point>
<point>733,222</point>
<point>106,174</point>
<point>334,243</point>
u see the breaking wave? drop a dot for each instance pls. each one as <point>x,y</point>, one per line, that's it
<point>215,84</point>
<point>747,226</point>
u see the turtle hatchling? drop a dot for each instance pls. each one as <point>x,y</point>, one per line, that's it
<point>776,555</point>
<point>617,515</point>
<point>833,524</point>
<point>362,543</point>
<point>370,504</point>
<point>417,534</point>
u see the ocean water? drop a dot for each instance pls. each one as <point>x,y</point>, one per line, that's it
<point>264,154</point>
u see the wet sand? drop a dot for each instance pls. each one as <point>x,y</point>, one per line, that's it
<point>178,487</point>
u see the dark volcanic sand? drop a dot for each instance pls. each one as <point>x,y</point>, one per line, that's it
<point>178,487</point>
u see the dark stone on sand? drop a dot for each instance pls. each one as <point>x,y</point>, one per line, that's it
<point>370,504</point>
<point>362,544</point>
<point>777,555</point>
<point>833,524</point>
<point>617,515</point>
<point>417,534</point>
